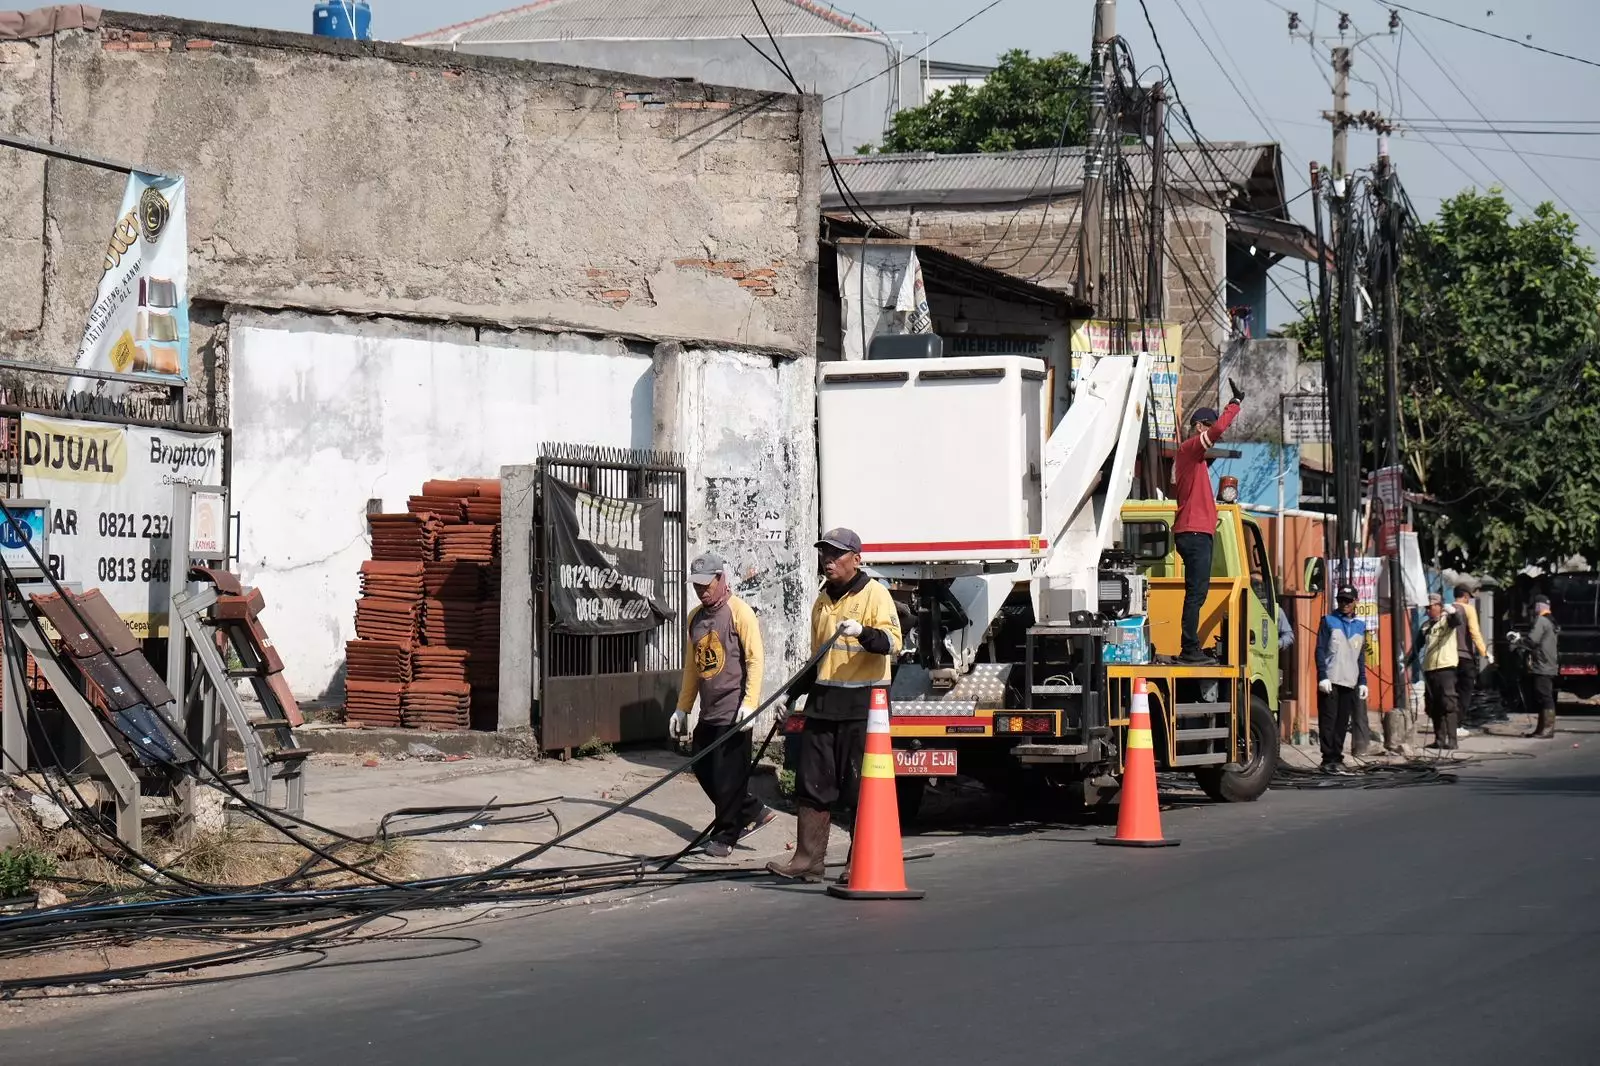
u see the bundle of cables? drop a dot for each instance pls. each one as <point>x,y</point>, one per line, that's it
<point>242,924</point>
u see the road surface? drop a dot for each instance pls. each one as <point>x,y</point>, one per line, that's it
<point>1449,923</point>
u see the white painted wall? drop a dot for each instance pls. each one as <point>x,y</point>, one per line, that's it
<point>329,413</point>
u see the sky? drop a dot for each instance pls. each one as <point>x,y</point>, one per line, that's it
<point>1279,85</point>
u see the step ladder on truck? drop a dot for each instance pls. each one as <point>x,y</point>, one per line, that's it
<point>1032,589</point>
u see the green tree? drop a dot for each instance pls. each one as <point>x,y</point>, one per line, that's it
<point>1499,382</point>
<point>1024,103</point>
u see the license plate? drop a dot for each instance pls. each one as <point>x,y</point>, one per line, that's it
<point>925,762</point>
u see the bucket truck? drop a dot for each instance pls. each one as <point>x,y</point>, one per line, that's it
<point>1032,589</point>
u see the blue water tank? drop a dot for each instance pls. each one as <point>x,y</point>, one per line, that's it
<point>350,19</point>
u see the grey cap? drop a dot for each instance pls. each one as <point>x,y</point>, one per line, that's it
<point>1541,600</point>
<point>840,539</point>
<point>1434,599</point>
<point>704,570</point>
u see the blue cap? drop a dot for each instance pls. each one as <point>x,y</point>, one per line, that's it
<point>840,539</point>
<point>1204,414</point>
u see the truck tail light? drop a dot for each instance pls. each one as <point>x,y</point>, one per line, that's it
<point>1024,723</point>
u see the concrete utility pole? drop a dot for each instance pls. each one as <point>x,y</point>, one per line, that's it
<point>1341,111</point>
<point>1087,286</point>
<point>1399,726</point>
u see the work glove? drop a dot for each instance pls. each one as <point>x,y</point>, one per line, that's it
<point>850,627</point>
<point>678,725</point>
<point>1238,393</point>
<point>1449,608</point>
<point>1325,686</point>
<point>1362,692</point>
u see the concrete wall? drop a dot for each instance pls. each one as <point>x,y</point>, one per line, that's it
<point>381,179</point>
<point>329,413</point>
<point>745,426</point>
<point>821,64</point>
<point>1266,369</point>
<point>1041,245</point>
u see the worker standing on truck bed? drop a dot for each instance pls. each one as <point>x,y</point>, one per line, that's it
<point>1195,530</point>
<point>722,667</point>
<point>1341,676</point>
<point>861,613</point>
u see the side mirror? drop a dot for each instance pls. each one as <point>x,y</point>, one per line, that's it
<point>1316,575</point>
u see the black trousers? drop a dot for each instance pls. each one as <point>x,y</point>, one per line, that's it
<point>1195,551</point>
<point>1466,684</point>
<point>724,777</point>
<point>828,765</point>
<point>1540,697</point>
<point>1439,688</point>
<point>1335,711</point>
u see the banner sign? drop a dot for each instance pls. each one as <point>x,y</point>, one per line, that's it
<point>1095,339</point>
<point>605,562</point>
<point>140,320</point>
<point>1364,573</point>
<point>1389,496</point>
<point>111,499</point>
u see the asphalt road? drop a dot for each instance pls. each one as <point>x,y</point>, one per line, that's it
<point>1449,923</point>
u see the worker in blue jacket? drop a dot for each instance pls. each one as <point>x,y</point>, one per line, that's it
<point>1341,676</point>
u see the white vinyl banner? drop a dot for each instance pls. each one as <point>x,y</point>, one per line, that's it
<point>110,490</point>
<point>140,320</point>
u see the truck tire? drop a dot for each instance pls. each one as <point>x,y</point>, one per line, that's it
<point>1249,781</point>
<point>909,792</point>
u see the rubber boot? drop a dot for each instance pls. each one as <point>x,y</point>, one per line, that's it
<point>810,848</point>
<point>1547,725</point>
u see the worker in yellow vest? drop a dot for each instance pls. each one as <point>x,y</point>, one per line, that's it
<point>859,612</point>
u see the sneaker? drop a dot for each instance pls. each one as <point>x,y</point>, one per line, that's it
<point>718,850</point>
<point>761,821</point>
<point>1337,769</point>
<point>1197,658</point>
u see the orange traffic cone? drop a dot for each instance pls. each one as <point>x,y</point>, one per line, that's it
<point>877,867</point>
<point>1139,809</point>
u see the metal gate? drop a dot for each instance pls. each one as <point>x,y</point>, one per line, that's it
<point>623,687</point>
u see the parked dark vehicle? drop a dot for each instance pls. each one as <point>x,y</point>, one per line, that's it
<point>1575,609</point>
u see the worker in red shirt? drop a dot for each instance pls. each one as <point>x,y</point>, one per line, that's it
<point>1196,527</point>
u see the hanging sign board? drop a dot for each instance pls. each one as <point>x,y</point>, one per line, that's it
<point>110,493</point>
<point>208,515</point>
<point>139,323</point>
<point>605,562</point>
<point>24,536</point>
<point>1305,418</point>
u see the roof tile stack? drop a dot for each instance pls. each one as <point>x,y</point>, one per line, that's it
<point>429,614</point>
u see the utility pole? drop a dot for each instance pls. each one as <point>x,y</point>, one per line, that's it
<point>1087,286</point>
<point>1155,298</point>
<point>1404,730</point>
<point>1341,111</point>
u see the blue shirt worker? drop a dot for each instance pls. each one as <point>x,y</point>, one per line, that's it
<point>1341,676</point>
<point>722,667</point>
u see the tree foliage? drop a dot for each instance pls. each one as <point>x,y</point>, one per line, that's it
<point>1499,382</point>
<point>1024,103</point>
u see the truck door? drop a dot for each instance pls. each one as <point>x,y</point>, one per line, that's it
<point>1263,612</point>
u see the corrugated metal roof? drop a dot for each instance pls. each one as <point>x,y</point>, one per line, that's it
<point>1007,177</point>
<point>576,20</point>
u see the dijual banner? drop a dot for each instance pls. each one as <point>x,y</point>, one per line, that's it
<point>140,320</point>
<point>605,562</point>
<point>110,489</point>
<point>1364,574</point>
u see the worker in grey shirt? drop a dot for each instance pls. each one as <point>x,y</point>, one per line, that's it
<point>1540,644</point>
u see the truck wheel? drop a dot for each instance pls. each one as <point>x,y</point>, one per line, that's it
<point>909,792</point>
<point>1251,780</point>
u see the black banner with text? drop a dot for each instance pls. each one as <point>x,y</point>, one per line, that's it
<point>605,562</point>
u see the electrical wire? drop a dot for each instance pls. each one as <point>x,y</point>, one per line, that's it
<point>1490,33</point>
<point>918,53</point>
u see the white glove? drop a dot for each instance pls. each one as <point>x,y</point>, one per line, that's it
<point>1325,686</point>
<point>1362,692</point>
<point>1449,608</point>
<point>678,724</point>
<point>850,627</point>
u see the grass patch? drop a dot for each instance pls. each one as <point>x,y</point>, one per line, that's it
<point>786,782</point>
<point>594,748</point>
<point>20,867</point>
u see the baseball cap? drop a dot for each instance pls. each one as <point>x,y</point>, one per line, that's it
<point>1434,598</point>
<point>704,570</point>
<point>1541,601</point>
<point>1346,594</point>
<point>840,539</point>
<point>1203,414</point>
